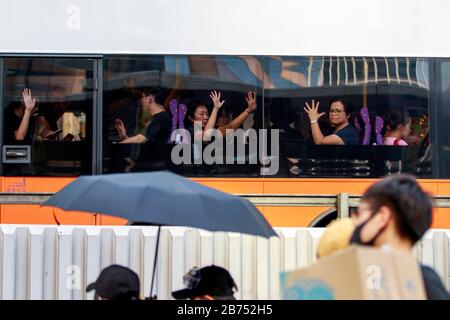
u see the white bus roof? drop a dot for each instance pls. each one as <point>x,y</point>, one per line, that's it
<point>414,28</point>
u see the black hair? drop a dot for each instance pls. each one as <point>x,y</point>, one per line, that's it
<point>155,92</point>
<point>348,108</point>
<point>393,119</point>
<point>411,206</point>
<point>191,108</point>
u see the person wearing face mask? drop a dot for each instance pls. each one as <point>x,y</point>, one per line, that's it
<point>395,213</point>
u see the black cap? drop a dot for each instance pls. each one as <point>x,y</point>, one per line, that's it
<point>212,280</point>
<point>116,283</point>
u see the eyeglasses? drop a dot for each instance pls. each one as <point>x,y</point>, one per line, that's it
<point>192,278</point>
<point>337,111</point>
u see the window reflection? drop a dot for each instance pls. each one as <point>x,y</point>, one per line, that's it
<point>186,85</point>
<point>388,99</point>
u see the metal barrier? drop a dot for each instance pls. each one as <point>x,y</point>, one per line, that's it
<point>57,262</point>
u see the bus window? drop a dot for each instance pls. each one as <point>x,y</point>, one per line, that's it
<point>149,100</point>
<point>443,116</point>
<point>369,117</point>
<point>47,114</point>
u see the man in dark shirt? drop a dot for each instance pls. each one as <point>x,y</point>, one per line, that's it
<point>344,133</point>
<point>158,130</point>
<point>395,212</point>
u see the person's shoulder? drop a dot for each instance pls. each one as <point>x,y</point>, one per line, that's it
<point>434,287</point>
<point>351,128</point>
<point>401,142</point>
<point>163,115</point>
<point>347,131</point>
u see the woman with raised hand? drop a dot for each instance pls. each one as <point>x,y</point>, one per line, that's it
<point>339,115</point>
<point>25,113</point>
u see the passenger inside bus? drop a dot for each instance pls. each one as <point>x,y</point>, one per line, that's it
<point>219,118</point>
<point>197,112</point>
<point>153,152</point>
<point>344,133</point>
<point>397,128</point>
<point>21,119</point>
<point>158,130</point>
<point>223,120</point>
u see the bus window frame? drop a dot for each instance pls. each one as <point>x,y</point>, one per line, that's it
<point>97,78</point>
<point>433,123</point>
<point>1,115</point>
<point>97,121</point>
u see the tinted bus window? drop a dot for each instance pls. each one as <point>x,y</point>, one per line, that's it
<point>372,117</point>
<point>150,104</point>
<point>443,116</point>
<point>47,114</point>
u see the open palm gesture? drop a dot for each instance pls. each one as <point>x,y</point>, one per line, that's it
<point>251,101</point>
<point>120,127</point>
<point>215,97</point>
<point>28,99</point>
<point>313,111</point>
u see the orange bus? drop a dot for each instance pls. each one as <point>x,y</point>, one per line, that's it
<point>86,77</point>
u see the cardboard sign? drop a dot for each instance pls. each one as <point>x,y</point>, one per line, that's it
<point>357,273</point>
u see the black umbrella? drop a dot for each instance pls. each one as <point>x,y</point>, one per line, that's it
<point>162,198</point>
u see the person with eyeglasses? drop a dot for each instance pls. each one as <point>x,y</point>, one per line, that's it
<point>344,133</point>
<point>208,283</point>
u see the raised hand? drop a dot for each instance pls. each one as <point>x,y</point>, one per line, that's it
<point>28,100</point>
<point>251,101</point>
<point>120,129</point>
<point>215,97</point>
<point>313,111</point>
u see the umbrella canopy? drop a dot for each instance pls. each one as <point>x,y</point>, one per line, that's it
<point>162,198</point>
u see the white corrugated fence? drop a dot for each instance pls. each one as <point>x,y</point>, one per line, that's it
<point>49,262</point>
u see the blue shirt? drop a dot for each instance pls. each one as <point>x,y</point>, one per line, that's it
<point>348,134</point>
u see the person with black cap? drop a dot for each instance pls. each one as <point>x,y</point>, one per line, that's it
<point>116,283</point>
<point>208,283</point>
<point>395,213</point>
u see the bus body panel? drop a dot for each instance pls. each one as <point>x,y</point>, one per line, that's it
<point>276,215</point>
